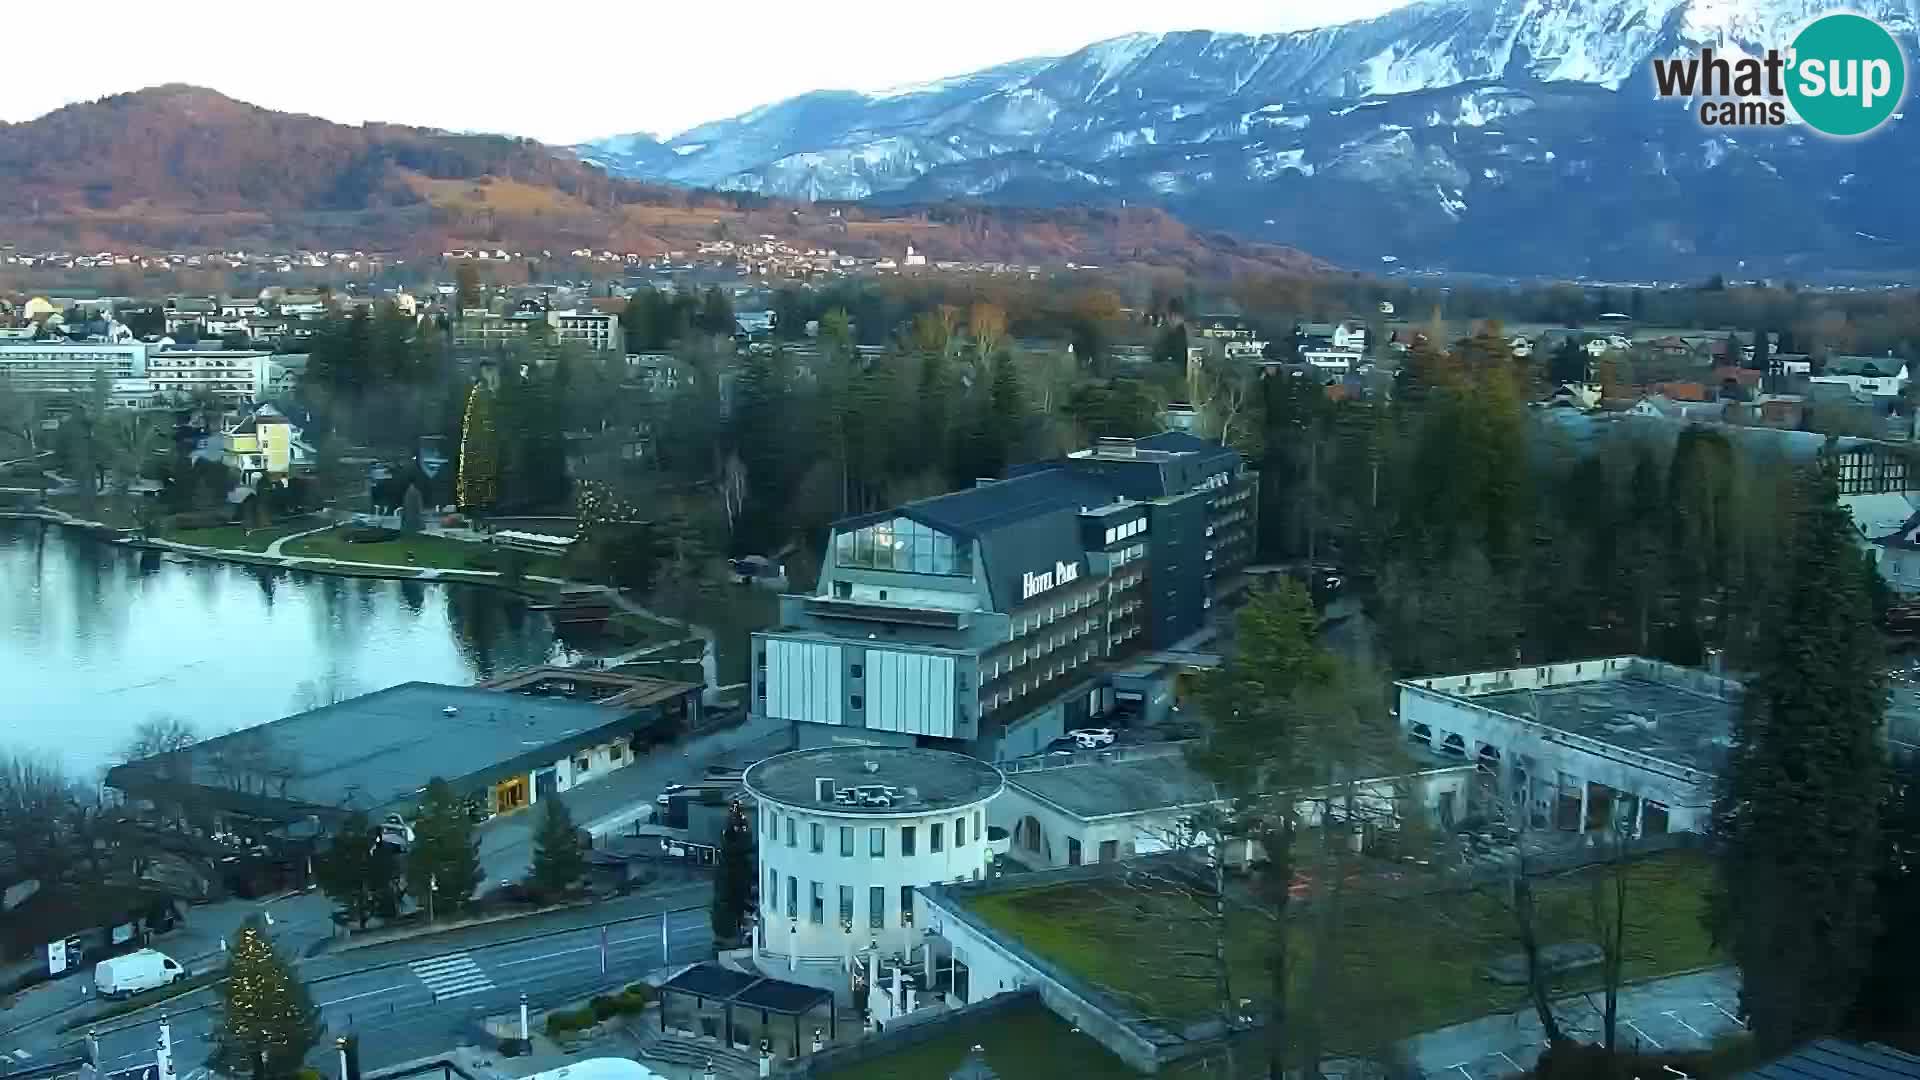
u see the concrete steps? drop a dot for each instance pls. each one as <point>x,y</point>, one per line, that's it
<point>693,1051</point>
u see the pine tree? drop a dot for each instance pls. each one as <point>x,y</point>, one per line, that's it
<point>360,874</point>
<point>443,865</point>
<point>478,482</point>
<point>733,884</point>
<point>1793,903</point>
<point>558,858</point>
<point>412,509</point>
<point>267,1021</point>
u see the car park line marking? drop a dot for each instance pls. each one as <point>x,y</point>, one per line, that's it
<point>1644,1035</point>
<point>356,997</point>
<point>1510,1061</point>
<point>1675,1017</point>
<point>1463,1070</point>
<point>1725,1013</point>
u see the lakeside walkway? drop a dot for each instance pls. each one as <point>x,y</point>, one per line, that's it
<point>275,555</point>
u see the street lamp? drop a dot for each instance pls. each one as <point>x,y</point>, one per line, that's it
<point>433,886</point>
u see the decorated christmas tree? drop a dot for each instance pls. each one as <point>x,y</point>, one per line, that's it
<point>267,1022</point>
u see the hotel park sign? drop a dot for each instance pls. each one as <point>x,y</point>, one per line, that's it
<point>1032,584</point>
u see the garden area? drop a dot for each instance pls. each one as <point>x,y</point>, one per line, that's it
<point>395,548</point>
<point>1024,1043</point>
<point>241,537</point>
<point>1415,963</point>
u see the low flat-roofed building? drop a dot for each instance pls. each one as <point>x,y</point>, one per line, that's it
<point>1104,806</point>
<point>1580,742</point>
<point>376,752</point>
<point>605,688</point>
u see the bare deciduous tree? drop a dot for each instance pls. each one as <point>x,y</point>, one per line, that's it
<point>161,733</point>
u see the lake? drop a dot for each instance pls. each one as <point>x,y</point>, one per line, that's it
<point>95,638</point>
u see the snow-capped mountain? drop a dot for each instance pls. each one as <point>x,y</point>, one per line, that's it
<point>1511,136</point>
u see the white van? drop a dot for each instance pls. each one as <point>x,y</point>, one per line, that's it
<point>146,969</point>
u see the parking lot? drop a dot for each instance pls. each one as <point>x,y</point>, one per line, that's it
<point>1685,1012</point>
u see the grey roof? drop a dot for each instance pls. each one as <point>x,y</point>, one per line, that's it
<point>926,780</point>
<point>1633,713</point>
<point>1108,788</point>
<point>1870,366</point>
<point>380,748</point>
<point>1025,523</point>
<point>1831,1059</point>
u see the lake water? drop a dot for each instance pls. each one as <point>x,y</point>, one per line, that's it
<point>95,638</point>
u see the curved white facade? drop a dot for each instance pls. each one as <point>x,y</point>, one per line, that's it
<point>835,879</point>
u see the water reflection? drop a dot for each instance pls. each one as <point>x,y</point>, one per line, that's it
<point>95,638</point>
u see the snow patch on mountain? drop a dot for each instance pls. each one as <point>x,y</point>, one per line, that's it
<point>1271,164</point>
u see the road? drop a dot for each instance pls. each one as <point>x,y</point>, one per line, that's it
<point>406,1002</point>
<point>1685,1012</point>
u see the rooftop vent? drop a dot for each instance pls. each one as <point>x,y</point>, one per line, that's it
<point>451,710</point>
<point>1110,446</point>
<point>823,789</point>
<point>871,766</point>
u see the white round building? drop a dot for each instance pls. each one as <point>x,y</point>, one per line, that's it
<point>847,833</point>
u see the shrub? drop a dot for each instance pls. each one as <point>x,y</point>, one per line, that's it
<point>632,1000</point>
<point>308,1072</point>
<point>603,1007</point>
<point>367,534</point>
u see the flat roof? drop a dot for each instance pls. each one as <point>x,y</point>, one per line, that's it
<point>924,781</point>
<point>603,688</point>
<point>1108,788</point>
<point>1631,712</point>
<point>381,748</point>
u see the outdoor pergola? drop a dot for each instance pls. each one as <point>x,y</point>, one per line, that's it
<point>736,989</point>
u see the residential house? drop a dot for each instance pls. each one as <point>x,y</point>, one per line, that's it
<point>264,442</point>
<point>1339,336</point>
<point>1880,376</point>
<point>1660,406</point>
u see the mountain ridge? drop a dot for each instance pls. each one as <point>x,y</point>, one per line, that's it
<point>1451,115</point>
<point>209,170</point>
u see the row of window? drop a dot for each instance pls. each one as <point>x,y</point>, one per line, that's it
<point>876,837</point>
<point>817,902</point>
<point>1131,528</point>
<point>1040,677</point>
<point>1034,620</point>
<point>1130,554</point>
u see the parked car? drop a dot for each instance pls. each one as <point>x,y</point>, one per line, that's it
<point>395,831</point>
<point>1092,738</point>
<point>144,969</point>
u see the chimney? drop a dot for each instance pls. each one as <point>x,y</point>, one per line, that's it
<point>823,789</point>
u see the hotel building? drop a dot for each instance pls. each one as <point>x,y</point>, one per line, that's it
<point>994,619</point>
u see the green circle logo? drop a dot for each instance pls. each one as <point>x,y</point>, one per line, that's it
<point>1846,75</point>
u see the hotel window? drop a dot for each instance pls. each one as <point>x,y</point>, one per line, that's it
<point>877,907</point>
<point>773,891</point>
<point>846,905</point>
<point>817,838</point>
<point>936,833</point>
<point>906,905</point>
<point>877,842</point>
<point>959,832</point>
<point>790,842</point>
<point>846,841</point>
<point>793,898</point>
<point>856,671</point>
<point>816,902</point>
<point>906,839</point>
<point>857,702</point>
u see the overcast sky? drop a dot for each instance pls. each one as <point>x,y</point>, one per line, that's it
<point>591,68</point>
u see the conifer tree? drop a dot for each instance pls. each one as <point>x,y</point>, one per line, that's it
<point>267,1021</point>
<point>443,865</point>
<point>359,873</point>
<point>733,885</point>
<point>558,858</point>
<point>1794,900</point>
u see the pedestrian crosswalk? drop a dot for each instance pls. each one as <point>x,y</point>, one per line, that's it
<point>453,975</point>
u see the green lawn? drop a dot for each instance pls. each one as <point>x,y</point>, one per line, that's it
<point>1407,965</point>
<point>1025,1043</point>
<point>418,550</point>
<point>241,537</point>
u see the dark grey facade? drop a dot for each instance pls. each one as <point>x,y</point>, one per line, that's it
<point>989,619</point>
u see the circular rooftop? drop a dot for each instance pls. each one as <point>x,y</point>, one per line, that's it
<point>873,780</point>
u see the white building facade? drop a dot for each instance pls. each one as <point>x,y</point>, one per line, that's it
<point>1616,742</point>
<point>48,367</point>
<point>846,834</point>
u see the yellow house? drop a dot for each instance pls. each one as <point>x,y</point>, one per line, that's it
<point>264,442</point>
<point>38,308</point>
